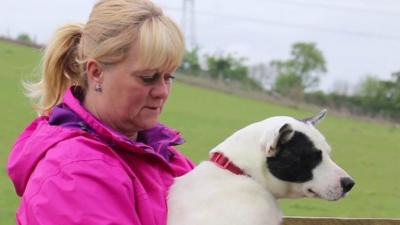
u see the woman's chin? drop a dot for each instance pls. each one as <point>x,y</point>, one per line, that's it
<point>149,124</point>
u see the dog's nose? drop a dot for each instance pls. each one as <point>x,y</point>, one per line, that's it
<point>347,184</point>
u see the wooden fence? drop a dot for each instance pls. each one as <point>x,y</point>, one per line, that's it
<point>338,221</point>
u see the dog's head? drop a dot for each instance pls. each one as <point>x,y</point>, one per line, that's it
<point>292,158</point>
<point>300,157</point>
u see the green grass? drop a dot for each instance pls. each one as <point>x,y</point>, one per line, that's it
<point>370,152</point>
<point>16,62</point>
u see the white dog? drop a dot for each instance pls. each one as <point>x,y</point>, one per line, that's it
<point>280,157</point>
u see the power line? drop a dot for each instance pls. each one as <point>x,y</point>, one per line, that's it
<point>338,7</point>
<point>296,26</point>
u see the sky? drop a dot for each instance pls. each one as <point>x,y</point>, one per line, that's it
<point>356,37</point>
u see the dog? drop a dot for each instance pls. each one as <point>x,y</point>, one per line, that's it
<point>280,157</point>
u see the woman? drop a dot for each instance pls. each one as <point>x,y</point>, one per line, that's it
<point>97,154</point>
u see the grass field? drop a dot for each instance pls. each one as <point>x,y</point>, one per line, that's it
<point>370,152</point>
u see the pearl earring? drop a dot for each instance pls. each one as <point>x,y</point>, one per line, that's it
<point>98,88</point>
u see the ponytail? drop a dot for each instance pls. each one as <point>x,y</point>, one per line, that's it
<point>60,68</point>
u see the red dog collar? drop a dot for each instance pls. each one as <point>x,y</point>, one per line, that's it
<point>223,162</point>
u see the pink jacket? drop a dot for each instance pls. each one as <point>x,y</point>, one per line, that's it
<point>69,168</point>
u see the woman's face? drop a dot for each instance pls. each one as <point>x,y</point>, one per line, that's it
<point>132,99</point>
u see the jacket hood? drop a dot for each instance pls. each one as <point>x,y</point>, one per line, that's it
<point>31,146</point>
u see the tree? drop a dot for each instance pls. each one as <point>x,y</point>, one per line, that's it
<point>396,77</point>
<point>230,68</point>
<point>370,87</point>
<point>289,85</point>
<point>25,38</point>
<point>305,66</point>
<point>227,67</point>
<point>373,97</point>
<point>191,63</point>
<point>381,97</point>
<point>396,92</point>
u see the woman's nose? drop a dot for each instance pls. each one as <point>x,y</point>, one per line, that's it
<point>161,89</point>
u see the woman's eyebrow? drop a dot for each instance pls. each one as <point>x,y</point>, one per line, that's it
<point>139,72</point>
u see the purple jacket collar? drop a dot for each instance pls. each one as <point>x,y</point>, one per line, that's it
<point>72,114</point>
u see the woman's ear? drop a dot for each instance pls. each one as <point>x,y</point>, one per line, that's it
<point>94,71</point>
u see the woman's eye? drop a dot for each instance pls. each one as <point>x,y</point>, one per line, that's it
<point>169,77</point>
<point>150,79</point>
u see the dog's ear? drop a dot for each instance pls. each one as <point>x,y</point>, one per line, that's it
<point>316,118</point>
<point>284,134</point>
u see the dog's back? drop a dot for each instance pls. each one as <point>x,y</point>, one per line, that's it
<point>211,195</point>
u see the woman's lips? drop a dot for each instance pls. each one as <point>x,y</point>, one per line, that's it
<point>153,108</point>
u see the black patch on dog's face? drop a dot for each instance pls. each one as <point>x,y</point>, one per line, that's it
<point>295,159</point>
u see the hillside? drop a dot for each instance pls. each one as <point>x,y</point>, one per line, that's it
<point>368,151</point>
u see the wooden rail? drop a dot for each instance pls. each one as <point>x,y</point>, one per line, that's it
<point>338,221</point>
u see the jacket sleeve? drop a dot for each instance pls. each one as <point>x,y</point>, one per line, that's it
<point>85,193</point>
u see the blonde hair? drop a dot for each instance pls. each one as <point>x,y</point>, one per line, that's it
<point>112,28</point>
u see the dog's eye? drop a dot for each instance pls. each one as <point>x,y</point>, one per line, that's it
<point>315,157</point>
<point>318,154</point>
